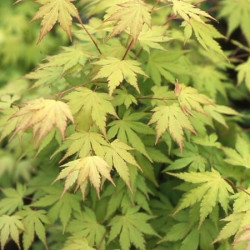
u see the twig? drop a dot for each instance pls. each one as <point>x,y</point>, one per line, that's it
<point>90,36</point>
<point>128,49</point>
<point>237,187</point>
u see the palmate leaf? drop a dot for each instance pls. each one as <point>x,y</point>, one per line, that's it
<point>83,144</point>
<point>166,64</point>
<point>10,227</point>
<point>240,156</point>
<point>46,76</point>
<point>237,14</point>
<point>211,189</point>
<point>60,207</point>
<point>116,70</point>
<point>123,97</point>
<point>190,99</point>
<point>151,38</point>
<point>54,11</point>
<point>90,168</point>
<point>244,72</point>
<point>238,220</point>
<point>77,244</point>
<point>188,11</point>
<point>68,58</point>
<point>42,115</point>
<point>173,119</point>
<point>126,130</point>
<point>33,221</point>
<point>13,199</point>
<point>216,112</point>
<point>118,156</point>
<point>91,105</point>
<point>87,226</point>
<point>131,227</point>
<point>130,15</point>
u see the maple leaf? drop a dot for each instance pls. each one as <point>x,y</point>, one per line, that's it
<point>46,76</point>
<point>216,112</point>
<point>13,199</point>
<point>10,227</point>
<point>91,105</point>
<point>212,188</point>
<point>131,227</point>
<point>240,156</point>
<point>244,73</point>
<point>188,11</point>
<point>129,15</point>
<point>117,70</point>
<point>90,167</point>
<point>173,119</point>
<point>238,220</point>
<point>60,207</point>
<point>117,155</point>
<point>244,237</point>
<point>189,157</point>
<point>68,58</point>
<point>83,143</point>
<point>190,99</point>
<point>77,244</point>
<point>53,11</point>
<point>205,35</point>
<point>126,130</point>
<point>33,221</point>
<point>151,38</point>
<point>166,64</point>
<point>87,226</point>
<point>237,14</point>
<point>42,115</point>
<point>123,97</point>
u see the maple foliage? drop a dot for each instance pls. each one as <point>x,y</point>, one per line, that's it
<point>129,15</point>
<point>42,115</point>
<point>140,121</point>
<point>54,11</point>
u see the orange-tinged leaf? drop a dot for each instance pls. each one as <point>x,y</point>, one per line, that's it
<point>42,115</point>
<point>130,15</point>
<point>90,167</point>
<point>190,99</point>
<point>54,11</point>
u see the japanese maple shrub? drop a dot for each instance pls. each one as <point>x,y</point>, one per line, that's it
<point>128,137</point>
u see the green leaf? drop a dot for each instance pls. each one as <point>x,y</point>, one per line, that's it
<point>83,144</point>
<point>10,228</point>
<point>131,228</point>
<point>244,72</point>
<point>60,207</point>
<point>13,199</point>
<point>212,189</point>
<point>126,130</point>
<point>237,15</point>
<point>77,244</point>
<point>91,104</point>
<point>173,119</point>
<point>33,221</point>
<point>123,97</point>
<point>240,156</point>
<point>116,70</point>
<point>118,156</point>
<point>87,226</point>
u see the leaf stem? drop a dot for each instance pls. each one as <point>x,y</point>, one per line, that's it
<point>237,187</point>
<point>90,36</point>
<point>128,49</point>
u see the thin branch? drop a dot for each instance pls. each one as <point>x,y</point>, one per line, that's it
<point>90,36</point>
<point>128,49</point>
<point>237,187</point>
<point>154,6</point>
